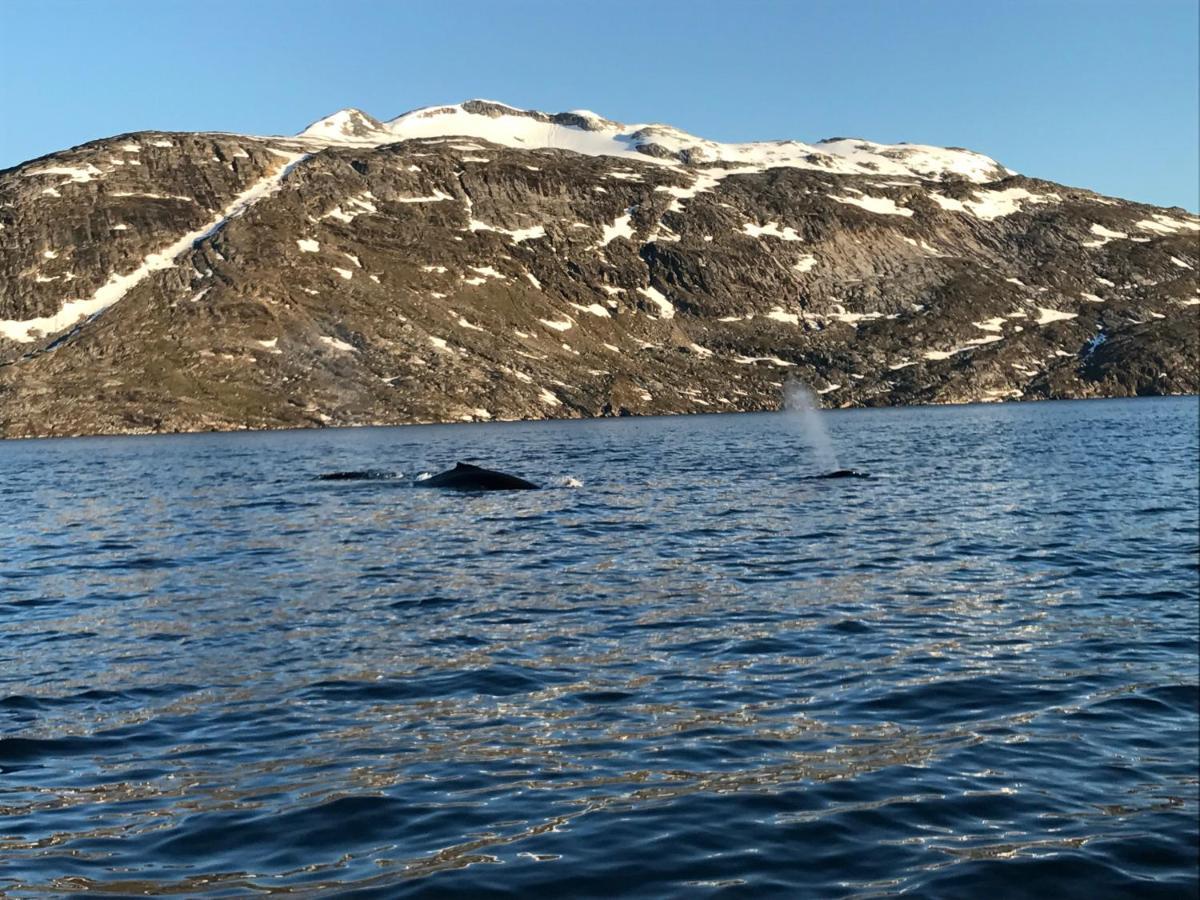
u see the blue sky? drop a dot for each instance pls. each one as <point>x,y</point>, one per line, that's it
<point>1090,93</point>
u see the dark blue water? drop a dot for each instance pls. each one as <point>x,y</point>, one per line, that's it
<point>694,675</point>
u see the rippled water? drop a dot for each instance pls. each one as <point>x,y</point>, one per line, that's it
<point>695,674</point>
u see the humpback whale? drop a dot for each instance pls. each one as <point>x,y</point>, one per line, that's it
<point>840,473</point>
<point>466,477</point>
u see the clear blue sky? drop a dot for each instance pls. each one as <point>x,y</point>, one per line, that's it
<point>1092,93</point>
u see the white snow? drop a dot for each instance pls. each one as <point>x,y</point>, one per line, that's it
<point>335,343</point>
<point>1091,298</point>
<point>1164,224</point>
<point>781,315</point>
<point>548,398</point>
<point>131,148</point>
<point>1101,231</point>
<point>441,270</point>
<point>666,310</point>
<point>308,245</point>
<point>532,280</point>
<point>438,342</point>
<point>805,263</point>
<point>968,345</point>
<point>150,196</point>
<point>77,174</point>
<point>49,254</point>
<point>940,354</point>
<point>852,318</point>
<point>354,259</point>
<point>993,204</point>
<point>1046,315</point>
<point>990,324</point>
<point>772,229</point>
<point>269,345</point>
<point>517,234</point>
<point>885,206</point>
<point>340,127</point>
<point>487,271</point>
<point>620,228</point>
<point>564,325</point>
<point>436,197</point>
<point>615,139</point>
<point>1183,264</point>
<point>117,286</point>
<point>345,273</point>
<point>161,144</point>
<point>773,360</point>
<point>356,206</point>
<point>594,308</point>
<point>948,203</point>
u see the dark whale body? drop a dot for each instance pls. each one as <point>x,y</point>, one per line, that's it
<point>841,473</point>
<point>466,477</point>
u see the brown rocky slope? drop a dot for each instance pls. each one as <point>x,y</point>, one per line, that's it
<point>181,282</point>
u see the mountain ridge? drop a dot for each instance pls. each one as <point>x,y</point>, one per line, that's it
<point>357,276</point>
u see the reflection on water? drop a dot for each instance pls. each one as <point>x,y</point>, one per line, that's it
<point>694,673</point>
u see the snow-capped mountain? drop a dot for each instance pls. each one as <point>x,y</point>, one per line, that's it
<point>478,261</point>
<point>583,131</point>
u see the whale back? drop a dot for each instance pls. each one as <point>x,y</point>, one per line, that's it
<point>468,477</point>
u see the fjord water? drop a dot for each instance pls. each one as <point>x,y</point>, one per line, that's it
<point>695,674</point>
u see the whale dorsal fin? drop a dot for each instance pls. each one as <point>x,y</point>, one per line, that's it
<point>467,466</point>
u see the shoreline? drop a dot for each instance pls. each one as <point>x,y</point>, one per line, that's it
<point>565,419</point>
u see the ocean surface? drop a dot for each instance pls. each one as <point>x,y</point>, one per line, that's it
<point>681,670</point>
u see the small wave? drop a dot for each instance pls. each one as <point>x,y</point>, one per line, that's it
<point>360,475</point>
<point>566,481</point>
<point>424,476</point>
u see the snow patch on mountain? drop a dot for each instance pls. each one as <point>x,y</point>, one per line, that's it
<point>587,133</point>
<point>885,206</point>
<point>117,286</point>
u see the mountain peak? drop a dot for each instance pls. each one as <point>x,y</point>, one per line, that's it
<point>586,132</point>
<point>345,124</point>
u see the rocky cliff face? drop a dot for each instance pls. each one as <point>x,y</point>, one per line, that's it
<point>478,262</point>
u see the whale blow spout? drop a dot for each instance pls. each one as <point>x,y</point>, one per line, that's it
<point>466,477</point>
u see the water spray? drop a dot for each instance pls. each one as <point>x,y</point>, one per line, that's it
<point>803,409</point>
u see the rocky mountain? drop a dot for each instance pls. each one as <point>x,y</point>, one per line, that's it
<point>476,262</point>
